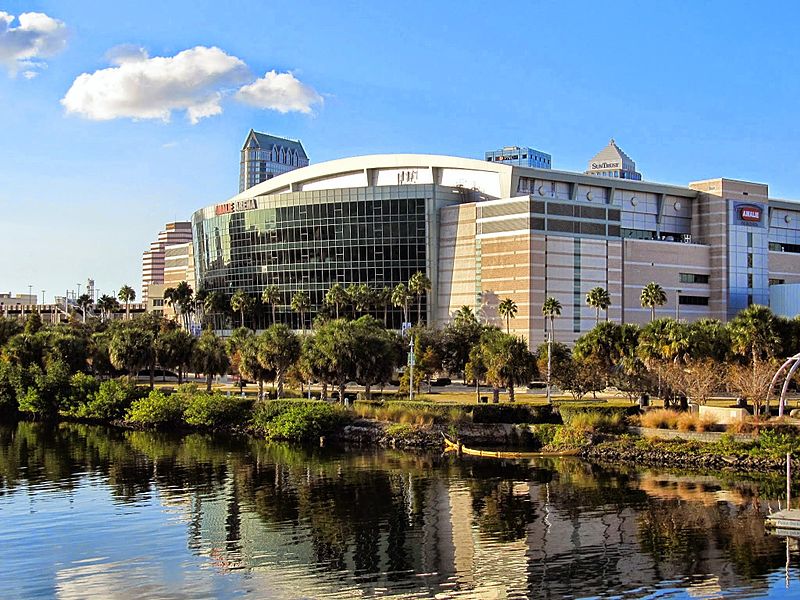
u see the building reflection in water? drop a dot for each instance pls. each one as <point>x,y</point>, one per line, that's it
<point>328,524</point>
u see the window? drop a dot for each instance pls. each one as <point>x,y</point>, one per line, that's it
<point>776,281</point>
<point>158,302</point>
<point>693,278</point>
<point>749,280</point>
<point>693,300</point>
<point>781,247</point>
<point>749,239</point>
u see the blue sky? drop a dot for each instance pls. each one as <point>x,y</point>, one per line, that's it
<point>690,90</point>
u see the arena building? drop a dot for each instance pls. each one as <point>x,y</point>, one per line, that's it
<point>484,231</point>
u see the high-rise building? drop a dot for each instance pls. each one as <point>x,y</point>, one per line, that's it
<point>154,259</point>
<point>264,156</point>
<point>520,157</point>
<point>611,161</point>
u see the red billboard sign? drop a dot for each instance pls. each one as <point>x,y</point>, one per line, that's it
<point>750,213</point>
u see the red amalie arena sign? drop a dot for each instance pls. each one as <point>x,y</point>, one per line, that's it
<point>749,214</point>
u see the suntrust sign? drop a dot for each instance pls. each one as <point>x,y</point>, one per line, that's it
<point>749,213</point>
<point>611,164</point>
<point>235,206</point>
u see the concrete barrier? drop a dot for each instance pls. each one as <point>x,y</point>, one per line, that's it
<point>674,434</point>
<point>722,415</point>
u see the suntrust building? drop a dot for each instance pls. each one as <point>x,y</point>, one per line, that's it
<point>484,231</point>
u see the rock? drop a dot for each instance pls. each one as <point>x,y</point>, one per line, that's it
<point>795,413</point>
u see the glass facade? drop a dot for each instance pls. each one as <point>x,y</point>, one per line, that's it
<point>307,241</point>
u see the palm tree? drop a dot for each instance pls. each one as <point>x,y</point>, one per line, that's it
<point>107,305</point>
<point>300,304</point>
<point>383,299</point>
<point>418,285</point>
<point>401,297</point>
<point>550,309</point>
<point>599,299</point>
<point>214,303</point>
<point>337,297</point>
<point>127,295</point>
<point>361,296</point>
<point>271,295</point>
<point>507,310</point>
<point>85,302</point>
<point>753,331</point>
<point>653,295</point>
<point>210,357</point>
<point>465,314</point>
<point>241,302</point>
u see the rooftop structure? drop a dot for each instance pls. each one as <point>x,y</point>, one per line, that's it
<point>265,156</point>
<point>611,161</point>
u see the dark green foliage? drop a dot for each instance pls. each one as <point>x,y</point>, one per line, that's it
<point>215,411</point>
<point>568,410</point>
<point>157,409</point>
<point>517,413</point>
<point>83,387</point>
<point>47,391</point>
<point>111,401</point>
<point>298,420</point>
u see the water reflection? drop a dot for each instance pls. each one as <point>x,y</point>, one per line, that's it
<point>90,510</point>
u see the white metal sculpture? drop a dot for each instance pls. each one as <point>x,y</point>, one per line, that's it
<point>794,361</point>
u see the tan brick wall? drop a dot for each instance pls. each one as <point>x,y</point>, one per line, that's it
<point>663,262</point>
<point>784,265</point>
<point>457,275</point>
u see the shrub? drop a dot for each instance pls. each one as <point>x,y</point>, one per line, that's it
<point>216,410</point>
<point>400,430</point>
<point>596,421</point>
<point>46,390</point>
<point>568,410</point>
<point>8,392</point>
<point>660,419</point>
<point>83,387</point>
<point>568,438</point>
<point>299,420</point>
<point>513,413</point>
<point>775,443</point>
<point>543,434</point>
<point>693,422</point>
<point>156,409</point>
<point>111,400</point>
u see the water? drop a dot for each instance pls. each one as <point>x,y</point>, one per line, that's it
<point>89,511</point>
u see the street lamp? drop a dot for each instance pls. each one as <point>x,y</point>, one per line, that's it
<point>678,305</point>
<point>42,296</point>
<point>79,289</point>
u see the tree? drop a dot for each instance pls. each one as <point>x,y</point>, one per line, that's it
<point>85,302</point>
<point>333,353</point>
<point>653,295</point>
<point>556,357</point>
<point>214,303</point>
<point>209,357</point>
<point>361,297</point>
<point>249,365</point>
<point>241,302</point>
<point>754,333</point>
<point>507,360</point>
<point>465,314</point>
<point>551,308</point>
<point>507,310</point>
<point>278,351</point>
<point>127,295</point>
<point>336,297</point>
<point>697,379</point>
<point>456,341</point>
<point>418,285</point>
<point>400,298</point>
<point>599,299</point>
<point>300,304</point>
<point>174,351</point>
<point>376,353</point>
<point>383,300</point>
<point>108,305</point>
<point>131,349</point>
<point>271,295</point>
<point>752,382</point>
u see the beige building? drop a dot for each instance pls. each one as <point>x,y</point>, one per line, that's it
<point>179,264</point>
<point>154,259</point>
<point>485,231</point>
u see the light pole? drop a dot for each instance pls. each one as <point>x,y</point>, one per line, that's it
<point>42,296</point>
<point>30,292</point>
<point>79,289</point>
<point>411,370</point>
<point>678,305</point>
<point>549,361</point>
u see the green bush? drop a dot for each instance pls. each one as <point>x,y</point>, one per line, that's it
<point>45,391</point>
<point>83,387</point>
<point>111,401</point>
<point>156,409</point>
<point>775,443</point>
<point>447,413</point>
<point>568,411</point>
<point>567,438</point>
<point>299,420</point>
<point>542,434</point>
<point>8,391</point>
<point>512,413</point>
<point>216,410</point>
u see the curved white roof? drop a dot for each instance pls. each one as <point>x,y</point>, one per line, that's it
<point>389,169</point>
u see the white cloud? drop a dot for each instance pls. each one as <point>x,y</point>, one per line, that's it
<point>139,87</point>
<point>281,92</point>
<point>37,37</point>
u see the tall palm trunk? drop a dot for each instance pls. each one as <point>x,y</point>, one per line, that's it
<point>511,391</point>
<point>596,315</point>
<point>273,313</point>
<point>242,312</point>
<point>209,377</point>
<point>127,311</point>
